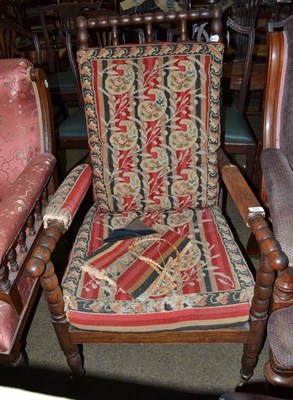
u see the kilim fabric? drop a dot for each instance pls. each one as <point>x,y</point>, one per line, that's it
<point>153,124</point>
<point>146,261</point>
<point>214,287</point>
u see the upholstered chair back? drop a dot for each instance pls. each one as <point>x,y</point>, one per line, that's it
<point>154,126</point>
<point>21,132</point>
<point>286,97</point>
<point>278,103</point>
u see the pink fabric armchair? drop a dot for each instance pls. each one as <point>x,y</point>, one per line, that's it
<point>26,180</point>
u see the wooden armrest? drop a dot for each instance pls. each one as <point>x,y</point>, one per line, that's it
<point>242,195</point>
<point>252,213</point>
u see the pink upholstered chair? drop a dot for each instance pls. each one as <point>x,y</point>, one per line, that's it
<point>26,168</point>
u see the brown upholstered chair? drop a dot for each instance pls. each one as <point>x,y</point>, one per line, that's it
<point>277,193</point>
<point>26,168</point>
<point>153,121</point>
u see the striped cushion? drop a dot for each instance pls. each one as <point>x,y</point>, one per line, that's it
<point>150,263</point>
<point>214,286</point>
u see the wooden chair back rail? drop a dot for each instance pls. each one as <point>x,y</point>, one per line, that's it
<point>13,261</point>
<point>9,30</point>
<point>147,20</point>
<point>64,15</point>
<point>271,110</point>
<point>250,35</point>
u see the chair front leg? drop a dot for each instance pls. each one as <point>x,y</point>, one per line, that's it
<point>40,265</point>
<point>272,259</point>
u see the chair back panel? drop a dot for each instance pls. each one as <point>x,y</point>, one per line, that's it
<point>17,42</point>
<point>278,117</point>
<point>21,127</point>
<point>153,124</point>
<point>286,101</point>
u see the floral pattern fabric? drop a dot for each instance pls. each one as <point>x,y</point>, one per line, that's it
<point>18,113</point>
<point>153,124</point>
<point>25,168</point>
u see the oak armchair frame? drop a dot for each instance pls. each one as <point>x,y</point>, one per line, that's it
<point>272,258</point>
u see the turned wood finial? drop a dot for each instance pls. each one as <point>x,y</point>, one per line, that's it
<point>82,36</point>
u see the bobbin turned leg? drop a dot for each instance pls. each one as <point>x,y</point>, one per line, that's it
<point>272,259</point>
<point>41,265</point>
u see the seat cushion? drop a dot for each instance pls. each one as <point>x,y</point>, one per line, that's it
<point>236,127</point>
<point>73,126</point>
<point>212,287</point>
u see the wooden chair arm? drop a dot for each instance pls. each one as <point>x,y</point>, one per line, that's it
<point>252,214</point>
<point>21,198</point>
<point>242,195</point>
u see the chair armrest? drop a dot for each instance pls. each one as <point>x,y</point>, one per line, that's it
<point>278,178</point>
<point>66,200</point>
<point>252,213</point>
<point>242,195</point>
<point>21,198</point>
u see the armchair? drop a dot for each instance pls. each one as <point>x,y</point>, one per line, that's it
<point>26,170</point>
<point>276,191</point>
<point>153,123</point>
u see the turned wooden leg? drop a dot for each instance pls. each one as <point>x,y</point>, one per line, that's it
<point>272,259</point>
<point>41,266</point>
<point>53,295</point>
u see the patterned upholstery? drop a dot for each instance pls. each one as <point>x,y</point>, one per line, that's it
<point>25,168</point>
<point>214,288</point>
<point>18,113</point>
<point>153,133</point>
<point>152,103</point>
